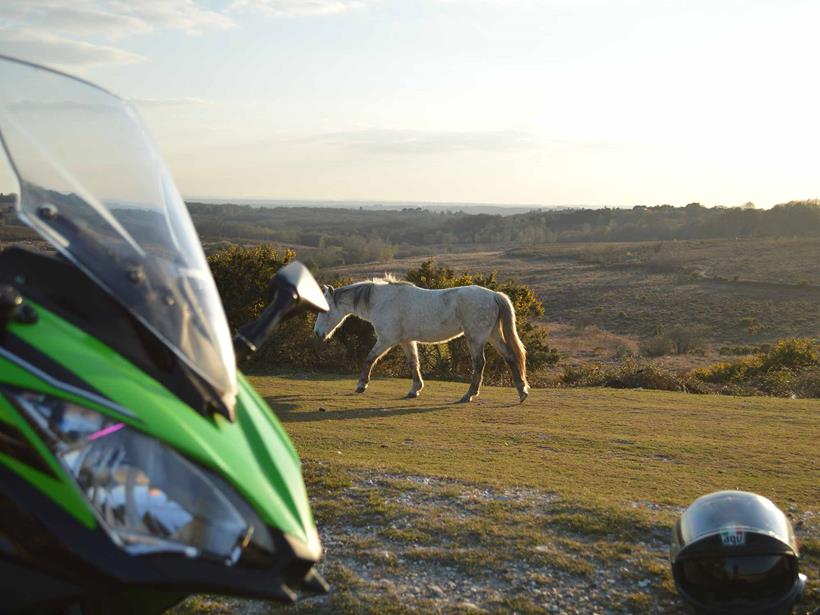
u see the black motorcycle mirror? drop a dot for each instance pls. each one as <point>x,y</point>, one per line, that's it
<point>293,289</point>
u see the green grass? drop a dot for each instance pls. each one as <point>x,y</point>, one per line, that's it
<point>568,484</point>
<point>621,463</point>
<point>599,449</point>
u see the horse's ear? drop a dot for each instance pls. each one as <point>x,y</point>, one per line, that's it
<point>328,290</point>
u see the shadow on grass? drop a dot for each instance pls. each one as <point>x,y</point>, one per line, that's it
<point>287,411</point>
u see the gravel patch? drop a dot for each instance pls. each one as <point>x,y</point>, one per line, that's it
<point>398,543</point>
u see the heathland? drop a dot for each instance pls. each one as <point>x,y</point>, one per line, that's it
<point>682,287</point>
<point>676,289</point>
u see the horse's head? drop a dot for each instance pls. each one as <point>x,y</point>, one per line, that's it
<point>328,322</point>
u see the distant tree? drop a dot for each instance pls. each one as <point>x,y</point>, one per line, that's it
<point>350,235</point>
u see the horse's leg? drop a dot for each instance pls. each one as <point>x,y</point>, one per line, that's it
<point>477,355</point>
<point>377,352</point>
<point>411,351</point>
<point>501,346</point>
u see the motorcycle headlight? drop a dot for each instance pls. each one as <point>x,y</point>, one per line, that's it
<point>148,497</point>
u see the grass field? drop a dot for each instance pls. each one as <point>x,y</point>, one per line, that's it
<point>563,503</point>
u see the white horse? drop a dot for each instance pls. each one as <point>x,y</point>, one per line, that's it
<point>402,313</point>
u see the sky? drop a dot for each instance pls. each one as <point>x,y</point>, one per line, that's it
<point>550,102</point>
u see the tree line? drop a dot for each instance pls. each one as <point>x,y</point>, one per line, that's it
<point>334,236</point>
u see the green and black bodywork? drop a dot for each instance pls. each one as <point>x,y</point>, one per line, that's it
<point>132,472</point>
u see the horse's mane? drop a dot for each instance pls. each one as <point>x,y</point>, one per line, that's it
<point>388,278</point>
<point>361,291</point>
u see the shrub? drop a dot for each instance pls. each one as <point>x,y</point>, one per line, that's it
<point>657,346</point>
<point>726,372</point>
<point>677,340</point>
<point>778,382</point>
<point>632,374</point>
<point>791,353</point>
<point>807,383</point>
<point>242,277</point>
<point>789,368</point>
<point>629,374</point>
<point>584,375</point>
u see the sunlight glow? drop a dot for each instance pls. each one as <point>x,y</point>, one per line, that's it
<point>553,102</point>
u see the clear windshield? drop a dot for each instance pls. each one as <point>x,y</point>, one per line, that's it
<point>93,184</point>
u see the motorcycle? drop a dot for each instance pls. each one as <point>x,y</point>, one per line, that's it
<point>137,464</point>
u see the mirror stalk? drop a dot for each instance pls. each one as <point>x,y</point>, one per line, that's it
<point>294,289</point>
<point>252,335</point>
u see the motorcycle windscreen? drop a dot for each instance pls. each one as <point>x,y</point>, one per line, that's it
<point>92,184</point>
<point>739,580</point>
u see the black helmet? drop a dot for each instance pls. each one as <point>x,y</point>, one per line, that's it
<point>735,552</point>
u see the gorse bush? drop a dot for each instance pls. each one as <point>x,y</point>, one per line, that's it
<point>243,275</point>
<point>789,368</point>
<point>792,353</point>
<point>630,373</point>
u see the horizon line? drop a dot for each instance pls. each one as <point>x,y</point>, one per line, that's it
<point>228,200</point>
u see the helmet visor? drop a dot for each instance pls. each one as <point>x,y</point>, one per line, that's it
<point>740,580</point>
<point>734,512</point>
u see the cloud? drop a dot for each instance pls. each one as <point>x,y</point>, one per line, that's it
<point>60,52</point>
<point>403,141</point>
<point>169,102</point>
<point>296,8</point>
<point>80,19</point>
<point>111,18</point>
<point>71,35</point>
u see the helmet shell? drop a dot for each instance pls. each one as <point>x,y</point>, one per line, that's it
<point>735,552</point>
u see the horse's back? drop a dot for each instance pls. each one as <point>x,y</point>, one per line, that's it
<point>434,315</point>
<point>477,309</point>
<point>458,297</point>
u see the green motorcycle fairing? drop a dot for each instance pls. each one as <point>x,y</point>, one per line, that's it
<point>253,453</point>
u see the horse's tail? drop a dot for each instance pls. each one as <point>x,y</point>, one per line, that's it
<point>506,321</point>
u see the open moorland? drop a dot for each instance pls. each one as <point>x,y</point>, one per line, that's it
<point>564,504</point>
<point>734,278</point>
<point>611,280</point>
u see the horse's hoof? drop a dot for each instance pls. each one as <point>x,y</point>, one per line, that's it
<point>522,397</point>
<point>465,400</point>
<point>361,389</point>
<point>412,395</point>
